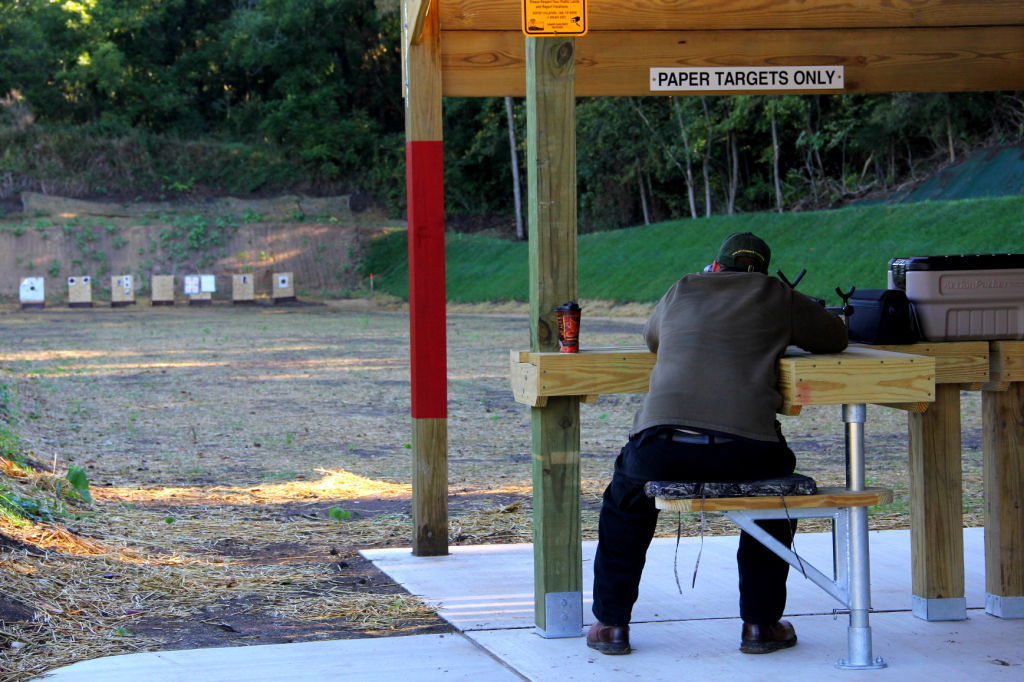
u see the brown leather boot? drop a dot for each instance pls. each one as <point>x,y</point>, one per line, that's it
<point>609,639</point>
<point>764,639</point>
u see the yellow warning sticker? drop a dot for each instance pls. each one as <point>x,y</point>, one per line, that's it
<point>555,17</point>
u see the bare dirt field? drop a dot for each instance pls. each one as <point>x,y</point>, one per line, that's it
<point>240,456</point>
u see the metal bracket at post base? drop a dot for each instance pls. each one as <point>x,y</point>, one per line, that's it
<point>859,651</point>
<point>563,613</point>
<point>933,610</point>
<point>1004,607</point>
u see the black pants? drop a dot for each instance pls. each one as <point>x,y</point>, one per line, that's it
<point>628,518</point>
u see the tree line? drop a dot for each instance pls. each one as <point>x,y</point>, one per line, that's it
<point>319,82</point>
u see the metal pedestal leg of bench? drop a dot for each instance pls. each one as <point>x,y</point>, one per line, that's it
<point>852,569</point>
<point>859,633</point>
<point>851,584</point>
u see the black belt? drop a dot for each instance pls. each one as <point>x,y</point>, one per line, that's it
<point>678,436</point>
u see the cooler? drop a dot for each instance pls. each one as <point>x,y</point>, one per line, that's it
<point>964,298</point>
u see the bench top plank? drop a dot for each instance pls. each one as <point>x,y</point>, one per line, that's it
<point>859,374</point>
<point>826,497</point>
<point>956,362</point>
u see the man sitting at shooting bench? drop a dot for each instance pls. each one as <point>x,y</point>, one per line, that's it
<point>710,415</point>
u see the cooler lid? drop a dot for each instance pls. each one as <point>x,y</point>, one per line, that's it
<point>990,261</point>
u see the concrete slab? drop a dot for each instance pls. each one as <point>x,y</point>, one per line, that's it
<point>488,592</point>
<point>410,659</point>
<point>980,648</point>
<point>495,585</point>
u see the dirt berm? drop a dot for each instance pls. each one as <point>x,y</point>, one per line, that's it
<point>319,240</point>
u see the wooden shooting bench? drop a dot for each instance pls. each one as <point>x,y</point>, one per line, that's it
<point>857,376</point>
<point>996,368</point>
<point>477,48</point>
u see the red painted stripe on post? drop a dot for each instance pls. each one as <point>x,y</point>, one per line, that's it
<point>424,176</point>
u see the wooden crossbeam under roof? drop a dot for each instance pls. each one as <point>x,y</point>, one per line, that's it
<point>884,46</point>
<point>678,15</point>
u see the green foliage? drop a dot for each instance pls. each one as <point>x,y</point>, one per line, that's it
<point>338,514</point>
<point>189,96</point>
<point>10,442</point>
<point>477,157</point>
<point>19,507</point>
<point>194,238</point>
<point>16,508</point>
<point>94,155</point>
<point>847,247</point>
<point>54,269</point>
<point>79,481</point>
<point>319,78</point>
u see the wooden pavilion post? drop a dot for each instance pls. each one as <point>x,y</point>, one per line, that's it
<point>424,171</point>
<point>551,181</point>
<point>1003,448</point>
<point>936,508</point>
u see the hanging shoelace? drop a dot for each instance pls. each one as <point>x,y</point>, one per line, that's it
<point>679,534</point>
<point>792,537</point>
<point>700,550</point>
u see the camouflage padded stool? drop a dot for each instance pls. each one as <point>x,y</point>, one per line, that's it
<point>792,497</point>
<point>792,484</point>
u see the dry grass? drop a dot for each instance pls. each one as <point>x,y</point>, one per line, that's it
<point>217,442</point>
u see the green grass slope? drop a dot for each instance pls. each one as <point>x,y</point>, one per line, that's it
<point>841,248</point>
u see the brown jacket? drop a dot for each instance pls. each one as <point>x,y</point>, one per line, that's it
<point>718,337</point>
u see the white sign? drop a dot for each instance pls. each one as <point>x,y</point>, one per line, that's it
<point>191,284</point>
<point>31,290</point>
<point>282,282</point>
<point>717,78</point>
<point>208,283</point>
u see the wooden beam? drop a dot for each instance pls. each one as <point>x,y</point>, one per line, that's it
<point>551,184</point>
<point>1003,474</point>
<point>422,65</point>
<point>615,63</point>
<point>936,508</point>
<point>857,375</point>
<point>416,19</point>
<point>583,373</point>
<point>430,487</point>
<point>955,361</point>
<point>632,15</point>
<point>1007,361</point>
<point>424,169</point>
<point>551,192</point>
<point>860,374</point>
<point>906,407</point>
<point>826,497</point>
